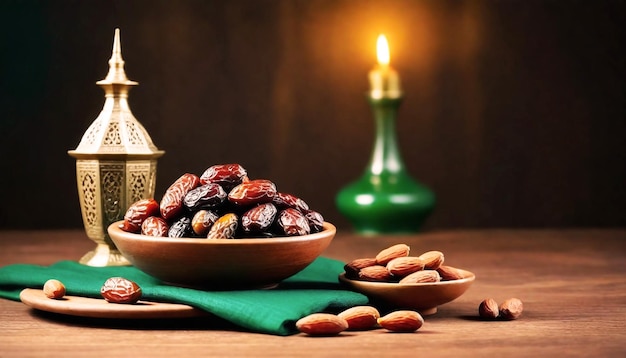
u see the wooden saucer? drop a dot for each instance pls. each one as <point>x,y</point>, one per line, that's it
<point>99,308</point>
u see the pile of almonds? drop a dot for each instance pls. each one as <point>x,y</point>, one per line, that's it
<point>394,264</point>
<point>359,318</point>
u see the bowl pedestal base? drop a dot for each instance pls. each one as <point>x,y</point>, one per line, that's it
<point>103,255</point>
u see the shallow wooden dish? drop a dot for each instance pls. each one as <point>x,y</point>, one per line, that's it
<point>221,264</point>
<point>99,308</point>
<point>422,297</point>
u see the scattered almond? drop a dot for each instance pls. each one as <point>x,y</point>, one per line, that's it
<point>432,259</point>
<point>423,276</point>
<point>403,266</point>
<point>360,317</point>
<point>511,309</point>
<point>54,289</point>
<point>375,273</point>
<point>322,324</point>
<point>488,309</point>
<point>390,253</point>
<point>401,321</point>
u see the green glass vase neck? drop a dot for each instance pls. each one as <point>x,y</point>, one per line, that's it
<point>386,158</point>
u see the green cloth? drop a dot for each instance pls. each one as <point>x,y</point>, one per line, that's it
<point>272,311</point>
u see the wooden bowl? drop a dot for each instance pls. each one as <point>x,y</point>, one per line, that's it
<point>421,297</point>
<point>221,264</point>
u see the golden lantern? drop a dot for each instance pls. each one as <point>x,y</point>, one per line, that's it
<point>116,164</point>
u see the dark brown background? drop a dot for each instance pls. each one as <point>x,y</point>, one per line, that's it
<point>514,111</point>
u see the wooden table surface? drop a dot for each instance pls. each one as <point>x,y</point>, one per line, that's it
<point>572,283</point>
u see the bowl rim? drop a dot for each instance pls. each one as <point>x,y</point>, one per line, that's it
<point>328,229</point>
<point>470,277</point>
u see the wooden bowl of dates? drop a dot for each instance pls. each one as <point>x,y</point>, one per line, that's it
<point>422,297</point>
<point>242,263</point>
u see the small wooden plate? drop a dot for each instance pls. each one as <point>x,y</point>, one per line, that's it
<point>99,308</point>
<point>422,297</point>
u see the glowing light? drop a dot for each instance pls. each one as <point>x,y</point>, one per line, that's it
<point>382,50</point>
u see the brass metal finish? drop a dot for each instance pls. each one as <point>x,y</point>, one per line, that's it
<point>116,164</point>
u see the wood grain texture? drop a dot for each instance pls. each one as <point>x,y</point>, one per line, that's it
<point>572,284</point>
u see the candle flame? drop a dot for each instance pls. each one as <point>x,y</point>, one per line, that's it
<point>382,50</point>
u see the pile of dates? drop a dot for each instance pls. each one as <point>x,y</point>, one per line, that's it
<point>222,203</point>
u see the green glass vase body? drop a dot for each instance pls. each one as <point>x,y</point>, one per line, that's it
<point>385,199</point>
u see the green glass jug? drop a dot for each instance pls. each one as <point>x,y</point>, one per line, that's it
<point>385,199</point>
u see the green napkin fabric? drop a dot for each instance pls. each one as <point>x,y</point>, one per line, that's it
<point>272,311</point>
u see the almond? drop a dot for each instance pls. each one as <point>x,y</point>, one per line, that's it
<point>488,309</point>
<point>423,276</point>
<point>54,289</point>
<point>511,309</point>
<point>401,321</point>
<point>360,317</point>
<point>375,273</point>
<point>403,266</point>
<point>322,324</point>
<point>449,273</point>
<point>353,267</point>
<point>432,259</point>
<point>390,253</point>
